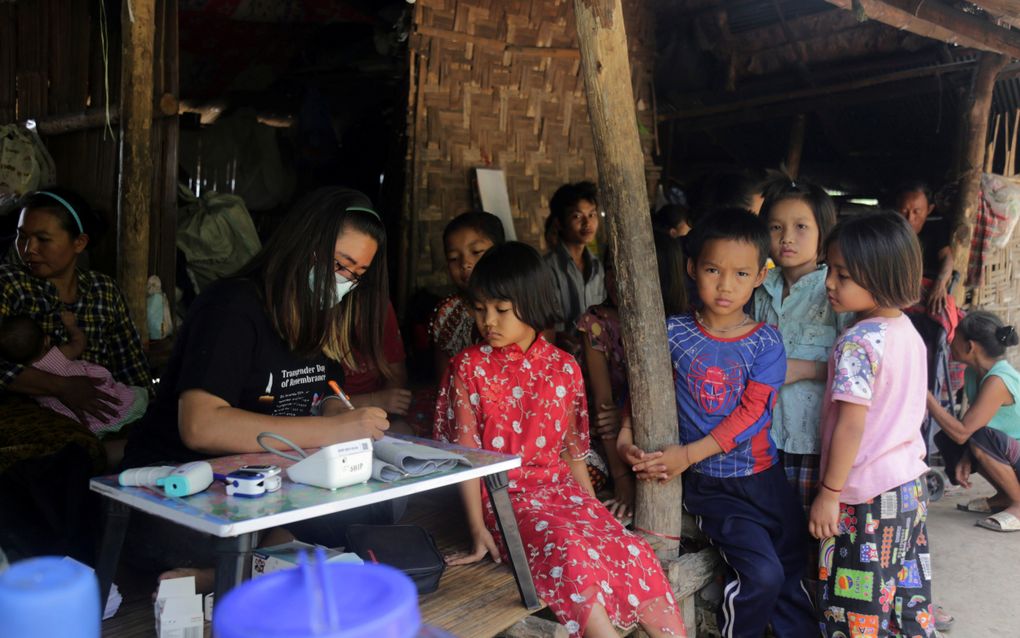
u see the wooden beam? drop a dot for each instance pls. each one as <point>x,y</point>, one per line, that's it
<point>74,122</point>
<point>136,166</point>
<point>795,150</point>
<point>975,113</point>
<point>606,70</point>
<point>1006,10</point>
<point>940,22</point>
<point>790,96</point>
<point>820,104</point>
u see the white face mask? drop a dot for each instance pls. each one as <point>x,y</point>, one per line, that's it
<point>343,287</point>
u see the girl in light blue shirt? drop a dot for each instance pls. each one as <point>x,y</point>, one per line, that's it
<point>793,298</point>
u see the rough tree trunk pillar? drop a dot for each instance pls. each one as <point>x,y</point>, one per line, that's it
<point>795,150</point>
<point>975,127</point>
<point>607,81</point>
<point>138,26</point>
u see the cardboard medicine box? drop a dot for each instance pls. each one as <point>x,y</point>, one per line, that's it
<point>178,609</point>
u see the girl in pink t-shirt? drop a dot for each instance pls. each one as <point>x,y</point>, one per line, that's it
<point>872,500</point>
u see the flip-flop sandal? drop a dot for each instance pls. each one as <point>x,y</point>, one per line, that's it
<point>976,506</point>
<point>943,620</point>
<point>1001,522</point>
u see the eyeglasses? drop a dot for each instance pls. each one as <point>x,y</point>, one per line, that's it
<point>346,273</point>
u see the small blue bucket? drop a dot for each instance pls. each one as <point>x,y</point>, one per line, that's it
<point>321,601</point>
<point>49,596</point>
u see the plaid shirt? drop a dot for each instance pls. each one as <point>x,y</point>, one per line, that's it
<point>111,338</point>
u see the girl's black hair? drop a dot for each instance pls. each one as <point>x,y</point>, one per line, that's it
<point>989,332</point>
<point>672,264</point>
<point>92,223</point>
<point>882,255</point>
<point>308,316</point>
<point>481,222</point>
<point>783,188</point>
<point>670,216</point>
<point>515,272</point>
<point>729,223</point>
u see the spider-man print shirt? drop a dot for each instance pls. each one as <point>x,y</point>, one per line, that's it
<point>726,388</point>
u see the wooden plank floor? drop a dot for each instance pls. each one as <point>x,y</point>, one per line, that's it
<point>473,601</point>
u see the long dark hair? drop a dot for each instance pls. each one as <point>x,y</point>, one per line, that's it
<point>669,255</point>
<point>307,316</point>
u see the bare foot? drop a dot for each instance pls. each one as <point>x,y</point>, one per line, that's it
<point>205,578</point>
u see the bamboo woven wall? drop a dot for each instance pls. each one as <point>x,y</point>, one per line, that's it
<point>497,83</point>
<point>1000,288</point>
<point>51,64</point>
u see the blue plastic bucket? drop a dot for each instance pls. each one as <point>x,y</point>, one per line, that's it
<point>49,596</point>
<point>321,601</point>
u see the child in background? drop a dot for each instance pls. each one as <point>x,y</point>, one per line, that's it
<point>793,298</point>
<point>518,394</point>
<point>606,365</point>
<point>872,503</point>
<point>727,369</point>
<point>23,341</point>
<point>674,220</point>
<point>465,240</point>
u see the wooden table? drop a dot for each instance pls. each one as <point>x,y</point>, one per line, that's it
<point>233,521</point>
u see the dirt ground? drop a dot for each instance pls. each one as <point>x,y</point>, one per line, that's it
<point>975,570</point>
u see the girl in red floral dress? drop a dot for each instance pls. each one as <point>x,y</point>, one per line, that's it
<point>518,394</point>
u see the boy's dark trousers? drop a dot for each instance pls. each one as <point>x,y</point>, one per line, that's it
<point>759,527</point>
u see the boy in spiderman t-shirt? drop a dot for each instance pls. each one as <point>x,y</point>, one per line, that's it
<point>727,370</point>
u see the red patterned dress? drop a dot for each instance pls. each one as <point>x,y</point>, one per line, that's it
<point>532,404</point>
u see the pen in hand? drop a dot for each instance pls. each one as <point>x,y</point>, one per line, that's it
<point>338,391</point>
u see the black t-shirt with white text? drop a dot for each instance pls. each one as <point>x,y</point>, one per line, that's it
<point>228,348</point>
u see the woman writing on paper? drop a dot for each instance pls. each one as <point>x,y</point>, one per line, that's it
<point>257,352</point>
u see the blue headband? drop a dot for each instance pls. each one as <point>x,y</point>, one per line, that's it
<point>364,210</point>
<point>70,209</point>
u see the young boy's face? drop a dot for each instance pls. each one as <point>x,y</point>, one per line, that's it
<point>580,223</point>
<point>726,274</point>
<point>464,248</point>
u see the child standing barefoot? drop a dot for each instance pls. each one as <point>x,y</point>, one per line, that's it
<point>516,393</point>
<point>871,506</point>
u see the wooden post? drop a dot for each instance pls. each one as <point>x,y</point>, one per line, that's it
<point>138,27</point>
<point>606,70</point>
<point>795,150</point>
<point>975,125</point>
